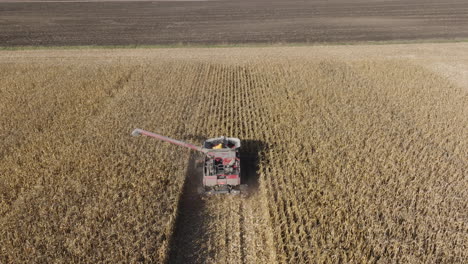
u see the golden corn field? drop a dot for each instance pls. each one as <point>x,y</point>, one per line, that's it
<point>352,158</point>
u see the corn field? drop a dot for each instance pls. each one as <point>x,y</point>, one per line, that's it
<point>354,161</point>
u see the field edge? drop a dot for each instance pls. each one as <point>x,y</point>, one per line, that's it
<point>234,45</point>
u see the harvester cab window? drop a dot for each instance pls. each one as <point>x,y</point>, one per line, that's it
<point>218,164</point>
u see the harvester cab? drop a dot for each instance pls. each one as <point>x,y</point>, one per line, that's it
<point>221,169</point>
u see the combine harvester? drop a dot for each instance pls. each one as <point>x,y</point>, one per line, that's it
<point>221,170</point>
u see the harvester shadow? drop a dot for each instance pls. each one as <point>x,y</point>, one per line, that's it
<point>189,231</point>
<point>189,242</point>
<point>250,157</point>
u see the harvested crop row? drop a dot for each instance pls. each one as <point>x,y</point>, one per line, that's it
<point>224,229</point>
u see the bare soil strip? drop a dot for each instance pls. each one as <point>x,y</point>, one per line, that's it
<point>228,22</point>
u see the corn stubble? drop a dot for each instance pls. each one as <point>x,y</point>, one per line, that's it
<point>362,161</point>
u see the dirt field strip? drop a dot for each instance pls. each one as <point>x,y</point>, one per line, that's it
<point>353,154</point>
<point>172,22</point>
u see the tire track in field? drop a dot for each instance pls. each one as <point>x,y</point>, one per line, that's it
<point>222,228</point>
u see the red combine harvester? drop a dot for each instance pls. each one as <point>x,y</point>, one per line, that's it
<point>221,170</point>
